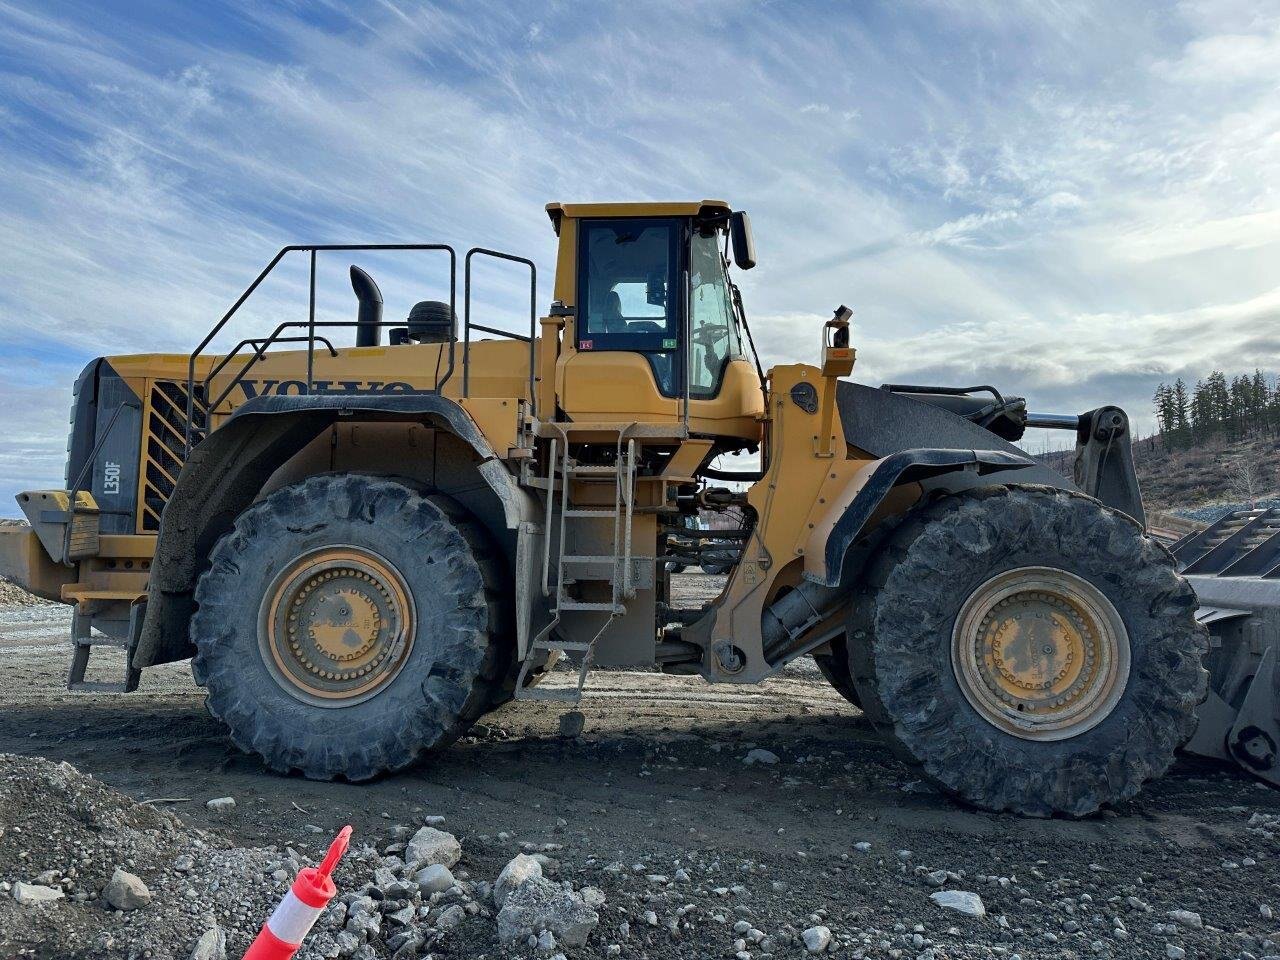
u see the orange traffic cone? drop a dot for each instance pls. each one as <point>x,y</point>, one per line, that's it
<point>292,920</point>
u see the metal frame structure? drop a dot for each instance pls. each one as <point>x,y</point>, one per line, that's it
<point>260,345</point>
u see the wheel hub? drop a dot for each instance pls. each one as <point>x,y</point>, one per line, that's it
<point>336,626</point>
<point>1040,653</point>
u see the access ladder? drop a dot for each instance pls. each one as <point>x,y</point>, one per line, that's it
<point>572,520</point>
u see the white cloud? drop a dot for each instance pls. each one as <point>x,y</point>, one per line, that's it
<point>1244,232</point>
<point>1075,197</point>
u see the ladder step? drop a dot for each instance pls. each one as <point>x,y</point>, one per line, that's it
<point>582,558</point>
<point>590,513</point>
<point>593,470</point>
<point>569,646</point>
<point>82,643</point>
<point>100,642</point>
<point>605,606</point>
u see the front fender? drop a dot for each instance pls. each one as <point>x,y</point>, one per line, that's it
<point>226,471</point>
<point>832,542</point>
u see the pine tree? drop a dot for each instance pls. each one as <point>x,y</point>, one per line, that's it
<point>1181,414</point>
<point>1219,399</point>
<point>1247,405</point>
<point>1201,412</point>
<point>1241,405</point>
<point>1163,400</point>
<point>1258,396</point>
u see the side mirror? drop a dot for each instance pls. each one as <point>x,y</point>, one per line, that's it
<point>655,289</point>
<point>744,247</point>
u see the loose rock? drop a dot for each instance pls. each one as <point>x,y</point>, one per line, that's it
<point>29,894</point>
<point>817,939</point>
<point>1187,918</point>
<point>430,846</point>
<point>961,901</point>
<point>212,945</point>
<point>125,891</point>
<point>537,905</point>
<point>521,869</point>
<point>435,878</point>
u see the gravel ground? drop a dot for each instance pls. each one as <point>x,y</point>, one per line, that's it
<point>656,837</point>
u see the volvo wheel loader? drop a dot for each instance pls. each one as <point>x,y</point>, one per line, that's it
<point>363,549</point>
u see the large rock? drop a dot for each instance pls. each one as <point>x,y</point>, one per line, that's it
<point>521,869</point>
<point>125,891</point>
<point>537,905</point>
<point>961,901</point>
<point>29,894</point>
<point>429,846</point>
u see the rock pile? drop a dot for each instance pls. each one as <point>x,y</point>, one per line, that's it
<point>81,863</point>
<point>414,904</point>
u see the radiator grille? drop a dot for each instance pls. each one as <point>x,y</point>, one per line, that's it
<point>166,438</point>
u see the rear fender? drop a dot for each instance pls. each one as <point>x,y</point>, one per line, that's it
<point>227,470</point>
<point>830,546</point>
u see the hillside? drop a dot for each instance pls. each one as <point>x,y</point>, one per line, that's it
<point>1203,481</point>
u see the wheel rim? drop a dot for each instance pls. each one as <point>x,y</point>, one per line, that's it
<point>336,626</point>
<point>1040,653</point>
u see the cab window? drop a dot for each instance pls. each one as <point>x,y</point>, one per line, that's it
<point>627,292</point>
<point>714,337</point>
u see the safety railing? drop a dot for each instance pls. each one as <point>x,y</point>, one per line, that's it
<point>468,326</point>
<point>259,346</point>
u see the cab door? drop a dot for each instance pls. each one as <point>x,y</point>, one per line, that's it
<point>725,396</point>
<point>628,360</point>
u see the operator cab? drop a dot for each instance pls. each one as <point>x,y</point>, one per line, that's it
<point>655,317</point>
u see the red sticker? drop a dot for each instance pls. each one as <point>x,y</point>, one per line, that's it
<point>585,345</point>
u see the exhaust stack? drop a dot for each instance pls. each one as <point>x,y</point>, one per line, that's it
<point>369,319</point>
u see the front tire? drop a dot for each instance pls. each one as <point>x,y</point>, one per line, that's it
<point>347,625</point>
<point>1028,649</point>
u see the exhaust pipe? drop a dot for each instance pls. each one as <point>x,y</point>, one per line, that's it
<point>369,319</point>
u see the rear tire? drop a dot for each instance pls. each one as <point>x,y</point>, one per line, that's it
<point>349,624</point>
<point>1064,689</point>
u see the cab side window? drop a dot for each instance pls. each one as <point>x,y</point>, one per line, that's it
<point>714,337</point>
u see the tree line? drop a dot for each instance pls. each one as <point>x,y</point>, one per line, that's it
<point>1245,406</point>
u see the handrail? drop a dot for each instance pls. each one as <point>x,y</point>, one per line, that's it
<point>260,353</point>
<point>311,322</point>
<point>467,324</point>
<point>501,333</point>
<point>265,342</point>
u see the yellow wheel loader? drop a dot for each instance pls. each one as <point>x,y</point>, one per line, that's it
<point>364,548</point>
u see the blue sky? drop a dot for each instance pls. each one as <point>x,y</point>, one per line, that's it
<point>1072,201</point>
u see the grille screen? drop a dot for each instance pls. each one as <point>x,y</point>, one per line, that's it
<point>166,438</point>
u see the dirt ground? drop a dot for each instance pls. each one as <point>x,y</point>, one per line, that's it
<point>655,789</point>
